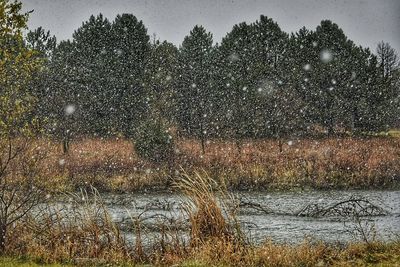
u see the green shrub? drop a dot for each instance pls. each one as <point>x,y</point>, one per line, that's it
<point>153,142</point>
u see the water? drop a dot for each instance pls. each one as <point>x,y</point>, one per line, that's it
<point>284,226</point>
<point>267,215</point>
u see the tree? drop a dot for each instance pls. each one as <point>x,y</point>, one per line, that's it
<point>131,45</point>
<point>18,64</point>
<point>278,108</point>
<point>62,91</point>
<point>252,70</point>
<point>370,97</point>
<point>388,59</point>
<point>21,188</point>
<point>41,41</point>
<point>91,80</point>
<point>321,75</point>
<point>44,44</point>
<point>160,80</point>
<point>194,88</point>
<point>388,85</point>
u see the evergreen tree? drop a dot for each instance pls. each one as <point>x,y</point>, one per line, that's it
<point>252,74</point>
<point>160,79</point>
<point>322,77</point>
<point>44,44</point>
<point>92,81</point>
<point>194,84</point>
<point>131,46</point>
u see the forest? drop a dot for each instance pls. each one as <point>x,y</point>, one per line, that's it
<point>259,82</point>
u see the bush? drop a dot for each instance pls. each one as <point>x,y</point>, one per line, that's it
<point>153,142</point>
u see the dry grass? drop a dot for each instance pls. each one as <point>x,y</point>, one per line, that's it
<point>323,163</point>
<point>90,238</point>
<point>210,217</point>
<point>83,231</point>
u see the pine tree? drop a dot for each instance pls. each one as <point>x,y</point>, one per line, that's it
<point>160,80</point>
<point>131,45</point>
<point>321,74</point>
<point>194,84</point>
<point>252,73</point>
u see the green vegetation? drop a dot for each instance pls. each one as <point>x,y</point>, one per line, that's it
<point>153,142</point>
<point>16,262</point>
<point>21,183</point>
<point>394,133</point>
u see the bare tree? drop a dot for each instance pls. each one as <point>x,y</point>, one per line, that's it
<point>21,185</point>
<point>388,59</point>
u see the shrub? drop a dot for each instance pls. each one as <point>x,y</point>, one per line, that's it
<point>153,142</point>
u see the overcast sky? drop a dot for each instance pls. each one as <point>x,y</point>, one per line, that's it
<point>364,21</point>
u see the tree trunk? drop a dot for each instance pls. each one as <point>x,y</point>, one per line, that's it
<point>65,145</point>
<point>3,234</point>
<point>331,127</point>
<point>238,145</point>
<point>66,142</point>
<point>203,149</point>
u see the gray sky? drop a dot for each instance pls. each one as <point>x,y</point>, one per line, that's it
<point>366,22</point>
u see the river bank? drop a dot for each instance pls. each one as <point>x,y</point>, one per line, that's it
<point>220,229</point>
<point>377,254</point>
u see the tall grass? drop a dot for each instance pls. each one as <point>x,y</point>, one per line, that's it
<point>112,165</point>
<point>210,209</point>
<point>75,232</point>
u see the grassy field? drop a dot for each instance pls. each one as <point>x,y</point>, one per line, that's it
<point>15,262</point>
<point>394,133</point>
<point>267,255</point>
<point>112,165</point>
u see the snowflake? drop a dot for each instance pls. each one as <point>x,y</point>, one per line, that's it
<point>326,56</point>
<point>69,110</point>
<point>307,67</point>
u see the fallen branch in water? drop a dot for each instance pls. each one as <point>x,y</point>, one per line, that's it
<point>255,206</point>
<point>354,206</point>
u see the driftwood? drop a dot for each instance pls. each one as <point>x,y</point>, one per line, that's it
<point>354,206</point>
<point>255,206</point>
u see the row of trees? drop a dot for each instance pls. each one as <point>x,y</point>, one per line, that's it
<point>258,82</point>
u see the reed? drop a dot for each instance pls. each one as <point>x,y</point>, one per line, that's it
<point>210,209</point>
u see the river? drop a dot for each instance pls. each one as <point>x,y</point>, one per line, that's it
<point>270,215</point>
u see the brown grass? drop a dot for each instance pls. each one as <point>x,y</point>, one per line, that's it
<point>84,232</point>
<point>210,217</point>
<point>323,163</point>
<point>90,238</point>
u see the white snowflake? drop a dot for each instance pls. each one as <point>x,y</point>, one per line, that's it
<point>307,67</point>
<point>326,56</point>
<point>69,110</point>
